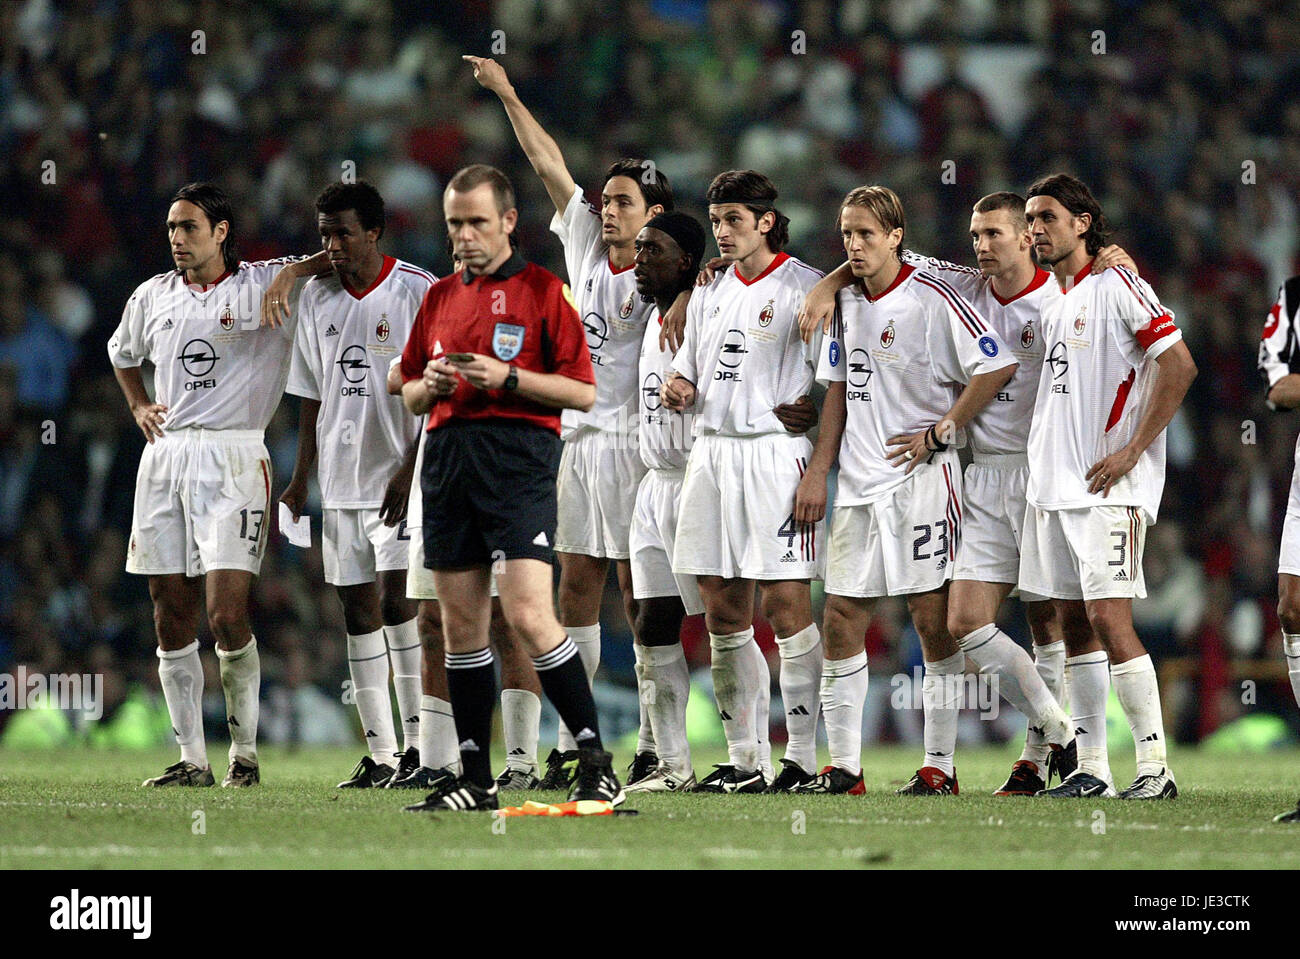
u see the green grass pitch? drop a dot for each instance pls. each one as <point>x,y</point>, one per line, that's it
<point>78,809</point>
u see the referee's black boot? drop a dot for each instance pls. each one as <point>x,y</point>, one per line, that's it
<point>596,779</point>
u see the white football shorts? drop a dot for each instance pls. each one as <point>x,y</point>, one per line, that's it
<point>654,531</point>
<point>357,545</point>
<point>202,502</point>
<point>993,521</point>
<point>1089,553</point>
<point>736,518</point>
<point>595,492</point>
<point>906,542</point>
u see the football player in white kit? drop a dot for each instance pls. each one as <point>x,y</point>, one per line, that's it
<point>351,323</point>
<point>1115,372</point>
<point>1279,364</point>
<point>1007,291</point>
<point>203,491</point>
<point>600,462</point>
<point>740,358</point>
<point>909,365</point>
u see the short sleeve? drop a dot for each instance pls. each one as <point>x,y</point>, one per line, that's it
<point>578,228</point>
<point>962,344</point>
<point>127,346</point>
<point>685,363</point>
<point>304,363</point>
<point>569,355</point>
<point>831,365</point>
<point>963,279</point>
<point>1146,320</point>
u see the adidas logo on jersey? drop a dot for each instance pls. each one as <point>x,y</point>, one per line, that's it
<point>331,331</point>
<point>798,711</point>
<point>789,557</point>
<point>168,324</point>
<point>1121,577</point>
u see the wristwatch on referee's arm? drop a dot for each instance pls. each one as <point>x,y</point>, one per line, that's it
<point>512,378</point>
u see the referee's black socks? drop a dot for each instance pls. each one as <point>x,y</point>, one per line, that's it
<point>472,689</point>
<point>564,680</point>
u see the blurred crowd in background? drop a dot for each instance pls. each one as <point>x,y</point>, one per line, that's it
<point>1184,117</point>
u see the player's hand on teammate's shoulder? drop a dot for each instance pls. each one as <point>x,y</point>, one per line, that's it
<point>799,416</point>
<point>677,393</point>
<point>818,310</point>
<point>674,325</point>
<point>490,74</point>
<point>295,496</point>
<point>1106,472</point>
<point>710,269</point>
<point>1112,255</point>
<point>275,302</point>
<point>149,417</point>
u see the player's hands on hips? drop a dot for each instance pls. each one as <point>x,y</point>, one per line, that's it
<point>295,496</point>
<point>678,393</point>
<point>909,451</point>
<point>818,309</point>
<point>810,497</point>
<point>673,327</point>
<point>710,269</point>
<point>483,372</point>
<point>797,417</point>
<point>275,302</point>
<point>490,74</point>
<point>1112,255</point>
<point>440,378</point>
<point>397,496</point>
<point>149,417</point>
<point>1106,472</point>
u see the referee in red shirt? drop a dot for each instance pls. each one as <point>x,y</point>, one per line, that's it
<point>496,352</point>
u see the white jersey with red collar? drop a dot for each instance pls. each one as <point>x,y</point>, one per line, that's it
<point>1102,337</point>
<point>613,314</point>
<point>904,357</point>
<point>664,435</point>
<point>216,366</point>
<point>1003,425</point>
<point>345,342</point>
<point>742,349</point>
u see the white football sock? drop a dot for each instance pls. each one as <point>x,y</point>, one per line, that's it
<point>941,694</point>
<point>645,737</point>
<point>241,678</point>
<point>439,748</point>
<point>996,654</point>
<point>521,713</point>
<point>843,694</point>
<point>669,678</point>
<point>1139,694</point>
<point>1291,647</point>
<point>1087,685</point>
<point>736,682</point>
<point>763,711</point>
<point>801,677</point>
<point>368,666</point>
<point>181,675</point>
<point>404,653</point>
<point>1049,663</point>
<point>587,639</point>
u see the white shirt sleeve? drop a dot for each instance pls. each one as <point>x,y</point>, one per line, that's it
<point>127,346</point>
<point>304,363</point>
<point>578,228</point>
<point>831,365</point>
<point>962,343</point>
<point>1146,319</point>
<point>963,278</point>
<point>685,361</point>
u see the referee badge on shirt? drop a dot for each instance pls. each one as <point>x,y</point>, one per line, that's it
<point>507,341</point>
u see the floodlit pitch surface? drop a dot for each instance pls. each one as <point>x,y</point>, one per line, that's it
<point>78,809</point>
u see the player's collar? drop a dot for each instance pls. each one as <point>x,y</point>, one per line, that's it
<point>385,268</point>
<point>204,287</point>
<point>904,272</point>
<point>1040,277</point>
<point>511,267</point>
<point>777,261</point>
<point>1079,277</point>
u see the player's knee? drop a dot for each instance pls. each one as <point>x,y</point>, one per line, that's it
<point>227,621</point>
<point>659,621</point>
<point>428,623</point>
<point>1108,624</point>
<point>394,610</point>
<point>1288,611</point>
<point>961,622</point>
<point>531,623</point>
<point>933,628</point>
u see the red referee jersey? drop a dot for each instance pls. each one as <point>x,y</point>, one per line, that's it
<point>522,314</point>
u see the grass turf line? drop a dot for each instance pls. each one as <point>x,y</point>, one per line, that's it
<point>85,809</point>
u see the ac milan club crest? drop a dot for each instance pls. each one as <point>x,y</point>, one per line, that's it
<point>383,329</point>
<point>887,336</point>
<point>1027,336</point>
<point>625,310</point>
<point>227,319</point>
<point>765,316</point>
<point>1081,321</point>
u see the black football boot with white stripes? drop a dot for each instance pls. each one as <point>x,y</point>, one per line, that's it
<point>596,779</point>
<point>458,795</point>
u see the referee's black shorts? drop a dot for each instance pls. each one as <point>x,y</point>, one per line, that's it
<point>489,493</point>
